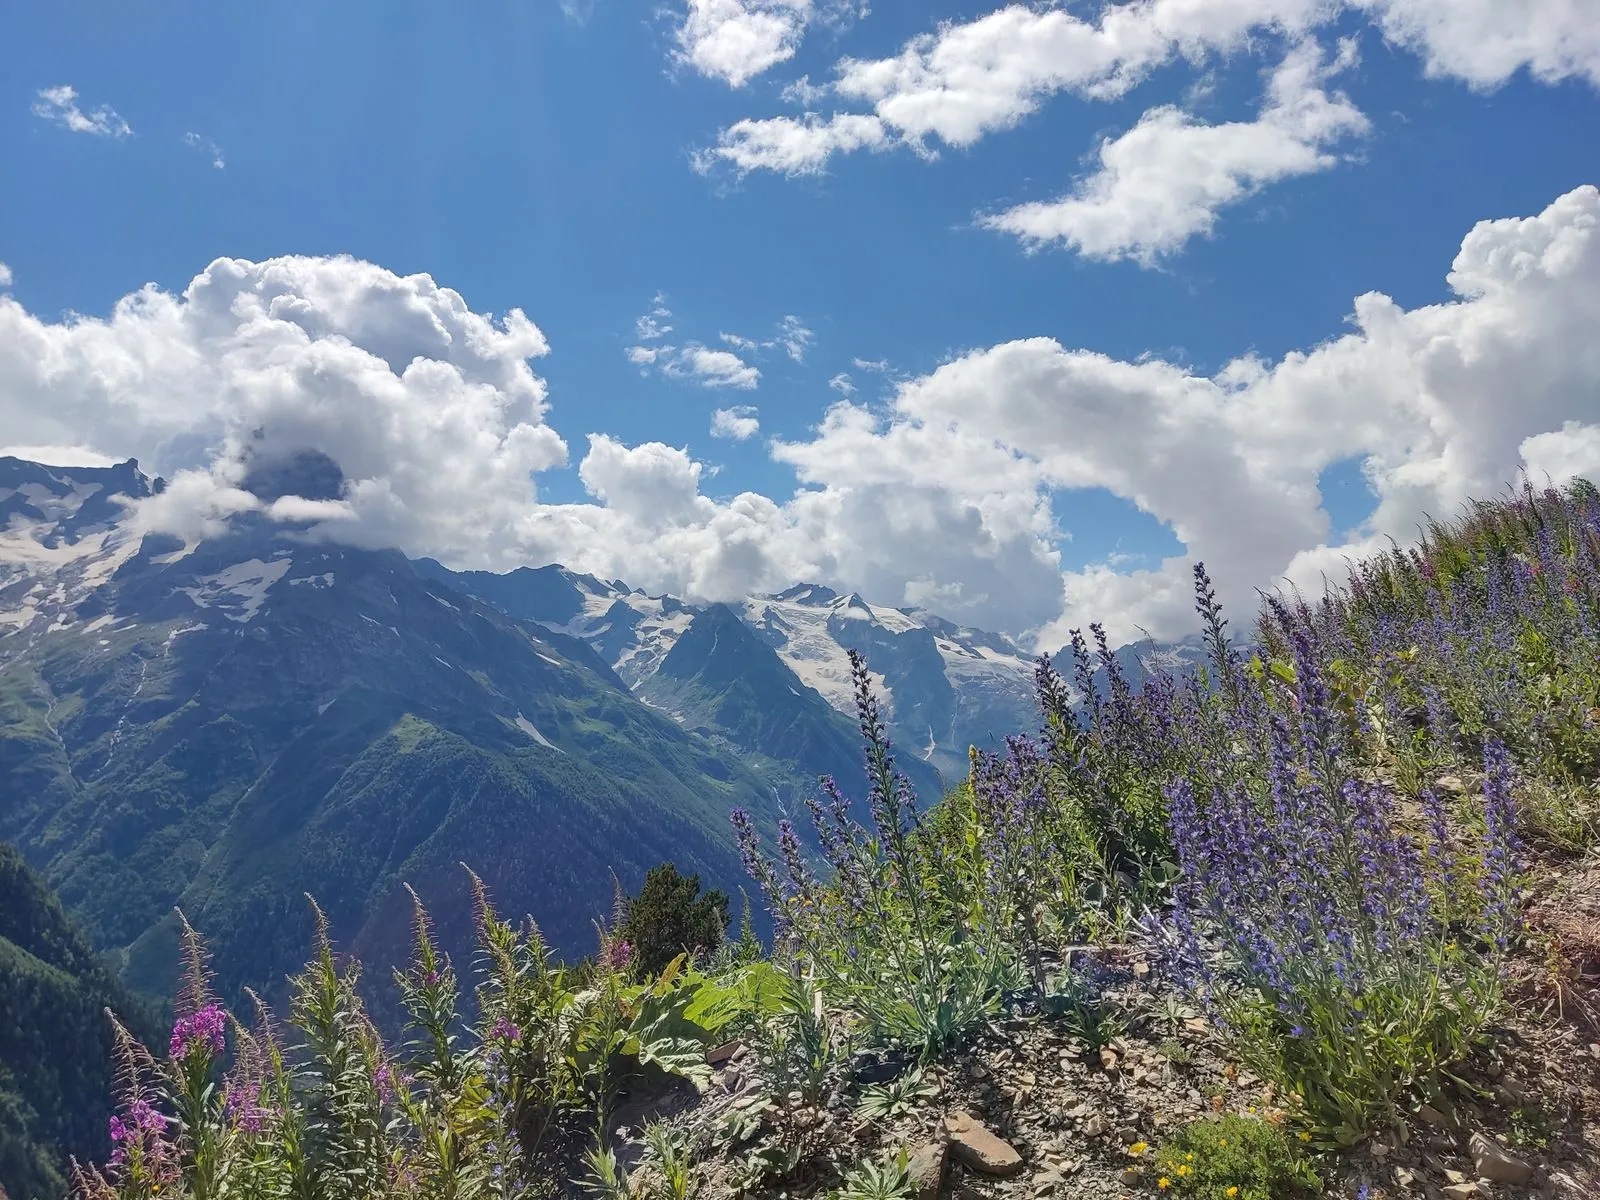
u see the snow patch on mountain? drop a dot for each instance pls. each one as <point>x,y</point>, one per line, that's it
<point>532,730</point>
<point>240,590</point>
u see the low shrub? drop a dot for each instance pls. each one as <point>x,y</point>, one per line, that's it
<point>1232,1158</point>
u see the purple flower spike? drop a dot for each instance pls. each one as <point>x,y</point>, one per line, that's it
<point>203,1030</point>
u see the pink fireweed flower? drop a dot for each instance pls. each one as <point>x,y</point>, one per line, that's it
<point>138,1126</point>
<point>616,955</point>
<point>383,1079</point>
<point>243,1105</point>
<point>506,1030</point>
<point>204,1028</point>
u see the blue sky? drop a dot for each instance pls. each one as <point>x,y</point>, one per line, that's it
<point>564,163</point>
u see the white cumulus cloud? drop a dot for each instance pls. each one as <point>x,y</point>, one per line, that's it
<point>948,496</point>
<point>1485,42</point>
<point>710,368</point>
<point>736,40</point>
<point>1562,454</point>
<point>970,78</point>
<point>430,409</point>
<point>1440,403</point>
<point>790,145</point>
<point>739,422</point>
<point>1165,180</point>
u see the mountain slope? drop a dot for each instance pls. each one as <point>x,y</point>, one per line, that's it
<point>55,1041</point>
<point>720,680</point>
<point>226,725</point>
<point>944,687</point>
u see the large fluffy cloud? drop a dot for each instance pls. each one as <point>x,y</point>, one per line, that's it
<point>1440,403</point>
<point>430,409</point>
<point>971,78</point>
<point>944,498</point>
<point>1165,180</point>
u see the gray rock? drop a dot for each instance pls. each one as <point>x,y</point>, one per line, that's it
<point>927,1168</point>
<point>1495,1163</point>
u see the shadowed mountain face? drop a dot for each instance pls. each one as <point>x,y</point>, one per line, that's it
<point>55,1041</point>
<point>309,474</point>
<point>228,725</point>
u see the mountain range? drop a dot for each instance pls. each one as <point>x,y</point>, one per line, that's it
<point>225,724</point>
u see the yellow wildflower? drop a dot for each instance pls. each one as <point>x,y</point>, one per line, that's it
<point>1233,1191</point>
<point>1189,1157</point>
<point>1304,1136</point>
<point>1185,1170</point>
<point>1163,1183</point>
<point>1222,1141</point>
<point>1138,1148</point>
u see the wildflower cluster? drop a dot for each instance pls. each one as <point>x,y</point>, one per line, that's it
<point>883,933</point>
<point>459,1109</point>
<point>1231,1158</point>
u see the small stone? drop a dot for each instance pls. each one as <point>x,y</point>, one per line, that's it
<point>1404,1177</point>
<point>1429,1115</point>
<point>720,1056</point>
<point>1046,1182</point>
<point>1195,1024</point>
<point>1510,1097</point>
<point>1495,1163</point>
<point>1108,1058</point>
<point>978,1071</point>
<point>1451,783</point>
<point>927,1169</point>
<point>1455,1176</point>
<point>1141,969</point>
<point>1128,1135</point>
<point>1131,1176</point>
<point>1378,1150</point>
<point>1096,1126</point>
<point>1459,1191</point>
<point>973,1145</point>
<point>1563,1185</point>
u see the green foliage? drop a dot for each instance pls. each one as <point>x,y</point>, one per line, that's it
<point>1232,1158</point>
<point>670,917</point>
<point>877,1179</point>
<point>55,1040</point>
<point>1084,1010</point>
<point>884,1101</point>
<point>902,936</point>
<point>461,1111</point>
<point>802,1046</point>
